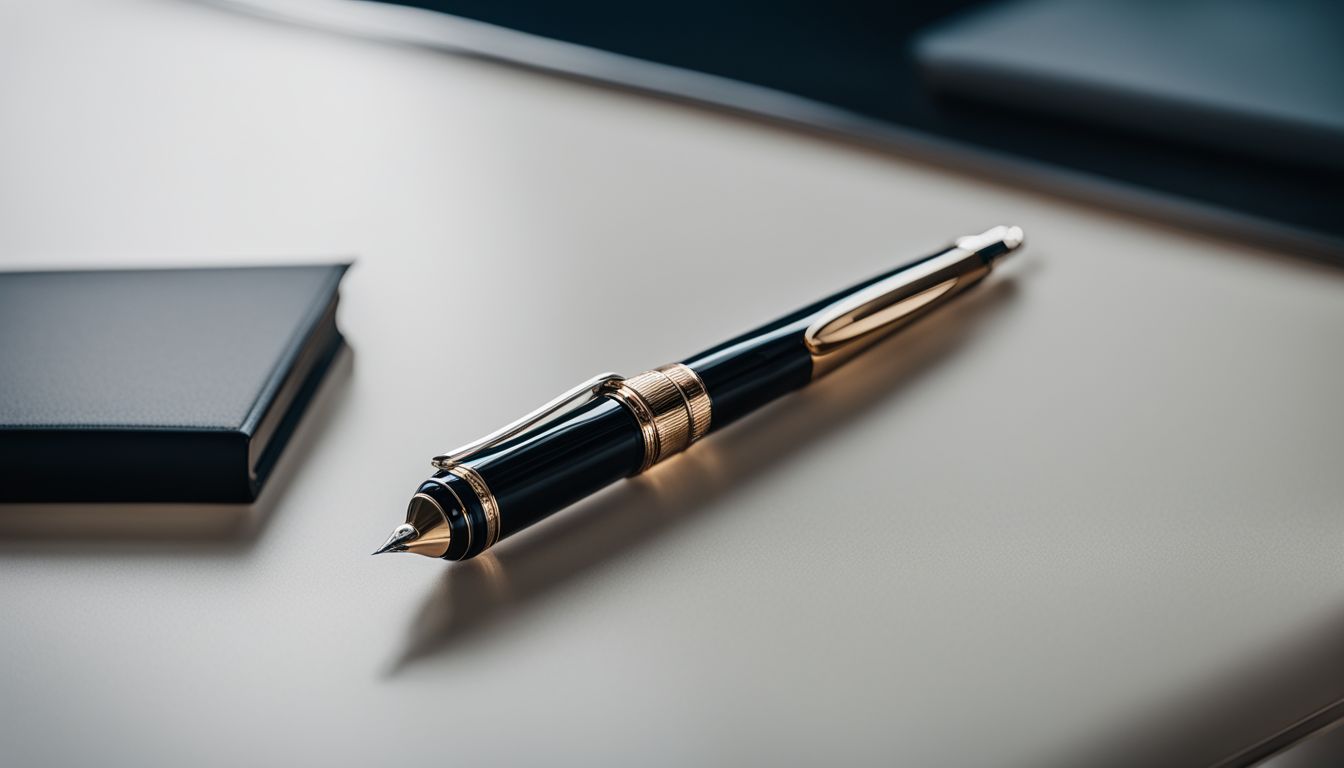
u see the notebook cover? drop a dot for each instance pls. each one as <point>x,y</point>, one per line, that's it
<point>175,385</point>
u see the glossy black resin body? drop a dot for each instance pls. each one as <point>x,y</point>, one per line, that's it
<point>545,470</point>
<point>745,373</point>
<point>536,474</point>
<point>539,473</point>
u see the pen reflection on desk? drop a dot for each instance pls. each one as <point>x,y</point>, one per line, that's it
<point>611,426</point>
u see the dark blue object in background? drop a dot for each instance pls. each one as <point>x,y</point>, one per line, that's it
<point>861,57</point>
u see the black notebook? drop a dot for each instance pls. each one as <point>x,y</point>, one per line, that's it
<point>157,385</point>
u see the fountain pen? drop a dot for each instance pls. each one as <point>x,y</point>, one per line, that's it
<point>611,427</point>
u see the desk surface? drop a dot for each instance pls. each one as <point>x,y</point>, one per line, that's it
<point>1091,513</point>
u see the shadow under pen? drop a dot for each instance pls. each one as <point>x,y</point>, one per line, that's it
<point>479,593</point>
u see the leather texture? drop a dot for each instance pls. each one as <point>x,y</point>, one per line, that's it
<point>167,374</point>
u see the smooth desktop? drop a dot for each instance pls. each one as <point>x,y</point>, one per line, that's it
<point>1087,515</point>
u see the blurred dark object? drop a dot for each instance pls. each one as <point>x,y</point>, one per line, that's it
<point>855,67</point>
<point>1252,77</point>
<point>176,385</point>
<point>1321,749</point>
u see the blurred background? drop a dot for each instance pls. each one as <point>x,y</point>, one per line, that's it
<point>1225,115</point>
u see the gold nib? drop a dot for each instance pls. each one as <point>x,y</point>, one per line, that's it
<point>400,538</point>
<point>426,530</point>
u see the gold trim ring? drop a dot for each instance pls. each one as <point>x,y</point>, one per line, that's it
<point>671,405</point>
<point>487,499</point>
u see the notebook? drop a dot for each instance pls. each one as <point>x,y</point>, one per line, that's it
<point>175,385</point>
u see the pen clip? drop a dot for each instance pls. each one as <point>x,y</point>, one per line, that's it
<point>580,395</point>
<point>860,318</point>
<point>855,321</point>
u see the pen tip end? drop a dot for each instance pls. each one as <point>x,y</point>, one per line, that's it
<point>403,535</point>
<point>1013,237</point>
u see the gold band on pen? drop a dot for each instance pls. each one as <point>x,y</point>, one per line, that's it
<point>694,394</point>
<point>671,405</point>
<point>487,499</point>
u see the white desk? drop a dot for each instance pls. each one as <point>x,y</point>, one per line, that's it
<point>1092,509</point>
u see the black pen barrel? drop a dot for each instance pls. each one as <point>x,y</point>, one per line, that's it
<point>629,425</point>
<point>535,475</point>
<point>750,370</point>
<point>747,371</point>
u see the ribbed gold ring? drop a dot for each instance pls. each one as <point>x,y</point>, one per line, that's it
<point>487,499</point>
<point>671,406</point>
<point>671,419</point>
<point>648,428</point>
<point>694,394</point>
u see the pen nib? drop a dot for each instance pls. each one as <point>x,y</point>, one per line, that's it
<point>404,534</point>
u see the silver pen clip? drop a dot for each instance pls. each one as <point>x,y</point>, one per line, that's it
<point>580,395</point>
